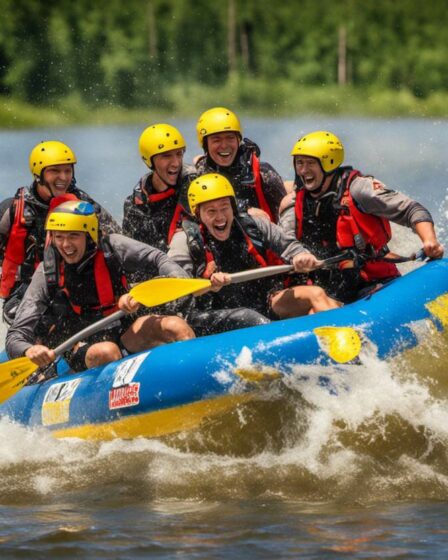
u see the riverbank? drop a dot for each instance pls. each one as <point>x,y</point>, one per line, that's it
<point>251,97</point>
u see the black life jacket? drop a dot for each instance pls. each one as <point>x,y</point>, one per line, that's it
<point>245,249</point>
<point>202,251</point>
<point>154,218</point>
<point>245,177</point>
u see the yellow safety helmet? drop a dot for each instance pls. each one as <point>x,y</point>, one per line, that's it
<point>49,153</point>
<point>322,145</point>
<point>74,215</point>
<point>218,119</point>
<point>208,187</point>
<point>157,139</point>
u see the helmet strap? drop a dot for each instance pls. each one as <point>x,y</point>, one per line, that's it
<point>321,186</point>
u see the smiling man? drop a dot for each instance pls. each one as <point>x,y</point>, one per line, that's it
<point>258,187</point>
<point>22,218</point>
<point>221,240</point>
<point>153,212</point>
<point>84,277</point>
<point>336,207</point>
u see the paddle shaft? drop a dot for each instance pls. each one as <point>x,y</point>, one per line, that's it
<point>257,273</point>
<point>267,271</point>
<point>236,278</point>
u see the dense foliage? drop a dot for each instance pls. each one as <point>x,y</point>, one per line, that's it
<point>135,53</point>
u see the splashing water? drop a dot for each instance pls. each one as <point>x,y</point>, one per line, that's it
<point>376,431</point>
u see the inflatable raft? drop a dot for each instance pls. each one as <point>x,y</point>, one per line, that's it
<point>177,386</point>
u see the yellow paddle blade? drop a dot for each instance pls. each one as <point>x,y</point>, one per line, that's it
<point>341,343</point>
<point>13,375</point>
<point>162,290</point>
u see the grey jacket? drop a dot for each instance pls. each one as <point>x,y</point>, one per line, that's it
<point>371,197</point>
<point>132,255</point>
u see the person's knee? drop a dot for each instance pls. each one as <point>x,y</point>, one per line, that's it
<point>102,353</point>
<point>245,317</point>
<point>174,328</point>
<point>321,301</point>
<point>281,302</point>
<point>317,294</point>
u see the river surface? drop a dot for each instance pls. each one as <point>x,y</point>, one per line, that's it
<point>298,472</point>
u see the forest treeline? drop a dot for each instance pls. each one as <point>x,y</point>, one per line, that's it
<point>158,53</point>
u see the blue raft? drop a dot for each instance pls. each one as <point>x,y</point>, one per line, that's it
<point>177,386</point>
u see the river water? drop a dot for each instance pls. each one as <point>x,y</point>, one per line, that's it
<point>296,473</point>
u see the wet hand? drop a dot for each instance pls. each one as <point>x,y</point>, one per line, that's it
<point>40,355</point>
<point>433,249</point>
<point>128,304</point>
<point>305,262</point>
<point>219,280</point>
<point>259,213</point>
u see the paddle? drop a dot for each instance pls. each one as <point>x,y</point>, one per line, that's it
<point>151,293</point>
<point>170,289</point>
<point>157,291</point>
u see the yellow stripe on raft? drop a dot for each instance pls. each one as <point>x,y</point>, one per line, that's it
<point>439,308</point>
<point>156,424</point>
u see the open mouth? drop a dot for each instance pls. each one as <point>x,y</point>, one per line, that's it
<point>170,176</point>
<point>60,186</point>
<point>220,227</point>
<point>69,255</point>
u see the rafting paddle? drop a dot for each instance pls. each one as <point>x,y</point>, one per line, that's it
<point>157,291</point>
<point>344,345</point>
<point>169,289</point>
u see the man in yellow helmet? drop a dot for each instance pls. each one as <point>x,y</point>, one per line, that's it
<point>258,187</point>
<point>82,278</point>
<point>22,218</point>
<point>335,208</point>
<point>220,240</point>
<point>152,213</point>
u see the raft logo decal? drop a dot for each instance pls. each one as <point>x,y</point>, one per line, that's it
<point>56,404</point>
<point>122,397</point>
<point>126,370</point>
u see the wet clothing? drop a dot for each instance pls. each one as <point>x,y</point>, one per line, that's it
<point>153,217</point>
<point>234,255</point>
<point>215,321</point>
<point>50,312</point>
<point>353,213</point>
<point>32,213</point>
<point>244,173</point>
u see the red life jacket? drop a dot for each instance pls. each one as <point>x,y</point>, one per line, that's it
<point>15,247</point>
<point>107,297</point>
<point>141,197</point>
<point>254,162</point>
<point>356,229</point>
<point>15,250</point>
